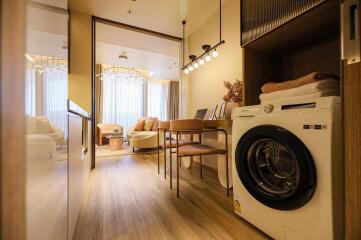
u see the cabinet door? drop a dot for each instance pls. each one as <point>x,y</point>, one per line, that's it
<point>352,115</point>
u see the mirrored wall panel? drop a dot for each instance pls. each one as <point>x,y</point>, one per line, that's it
<point>46,94</point>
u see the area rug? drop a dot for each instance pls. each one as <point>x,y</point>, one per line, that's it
<point>104,151</point>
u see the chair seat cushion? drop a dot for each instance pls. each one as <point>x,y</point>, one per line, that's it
<point>180,143</point>
<point>199,149</point>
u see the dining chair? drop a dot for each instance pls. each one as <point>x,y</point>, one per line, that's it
<point>163,128</point>
<point>195,127</point>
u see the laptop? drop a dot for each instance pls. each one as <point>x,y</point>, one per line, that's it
<point>200,114</point>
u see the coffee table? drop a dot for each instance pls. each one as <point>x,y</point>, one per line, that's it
<point>115,142</point>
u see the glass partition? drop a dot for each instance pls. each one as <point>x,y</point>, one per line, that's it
<point>46,94</point>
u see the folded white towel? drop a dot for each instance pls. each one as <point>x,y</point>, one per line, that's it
<point>319,86</point>
<point>326,93</point>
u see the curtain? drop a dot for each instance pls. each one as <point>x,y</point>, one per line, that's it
<point>123,97</point>
<point>157,103</point>
<point>55,94</point>
<point>173,109</point>
<point>30,86</point>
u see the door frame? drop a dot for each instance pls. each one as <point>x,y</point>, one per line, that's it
<point>12,120</point>
<point>96,20</point>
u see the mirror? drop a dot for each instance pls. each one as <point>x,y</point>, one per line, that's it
<point>46,93</point>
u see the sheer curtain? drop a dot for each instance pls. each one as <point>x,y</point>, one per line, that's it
<point>46,90</point>
<point>123,97</point>
<point>55,93</point>
<point>158,98</point>
<point>30,86</point>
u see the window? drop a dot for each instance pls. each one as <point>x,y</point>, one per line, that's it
<point>158,99</point>
<point>123,98</point>
<point>128,95</point>
<point>46,90</point>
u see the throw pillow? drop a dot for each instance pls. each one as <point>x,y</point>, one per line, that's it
<point>155,124</point>
<point>148,124</point>
<point>140,125</point>
<point>44,126</point>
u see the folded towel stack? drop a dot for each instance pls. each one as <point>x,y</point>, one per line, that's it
<point>311,86</point>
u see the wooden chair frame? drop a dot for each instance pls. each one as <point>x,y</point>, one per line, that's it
<point>199,132</point>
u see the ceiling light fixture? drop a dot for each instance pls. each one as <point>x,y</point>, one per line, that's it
<point>29,58</point>
<point>215,53</point>
<point>209,51</point>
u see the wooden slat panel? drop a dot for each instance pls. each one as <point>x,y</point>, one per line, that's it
<point>12,120</point>
<point>259,68</point>
<point>352,137</point>
<point>260,17</point>
<point>324,56</point>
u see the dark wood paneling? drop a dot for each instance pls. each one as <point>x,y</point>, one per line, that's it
<point>321,22</point>
<point>324,56</point>
<point>259,68</point>
<point>12,120</point>
<point>352,148</point>
<point>260,17</point>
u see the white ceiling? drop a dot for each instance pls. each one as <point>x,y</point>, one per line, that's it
<point>144,51</point>
<point>55,3</point>
<point>127,38</point>
<point>46,33</point>
<point>163,66</point>
<point>163,16</point>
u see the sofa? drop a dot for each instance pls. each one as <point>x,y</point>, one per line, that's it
<point>142,134</point>
<point>40,125</point>
<point>40,146</point>
<point>43,137</point>
<point>104,130</point>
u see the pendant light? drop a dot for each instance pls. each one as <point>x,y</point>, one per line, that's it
<point>209,51</point>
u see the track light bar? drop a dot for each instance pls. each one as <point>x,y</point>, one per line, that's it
<point>205,53</point>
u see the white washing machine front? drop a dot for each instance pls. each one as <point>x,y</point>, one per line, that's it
<point>285,165</point>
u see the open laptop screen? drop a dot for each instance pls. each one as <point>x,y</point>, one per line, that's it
<point>200,114</point>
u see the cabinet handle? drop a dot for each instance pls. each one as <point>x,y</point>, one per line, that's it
<point>350,15</point>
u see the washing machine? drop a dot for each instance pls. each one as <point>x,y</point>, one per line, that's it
<point>287,168</point>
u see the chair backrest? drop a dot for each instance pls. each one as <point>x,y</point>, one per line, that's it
<point>163,125</point>
<point>186,124</point>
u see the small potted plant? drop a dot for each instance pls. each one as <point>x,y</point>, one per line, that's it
<point>116,132</point>
<point>234,96</point>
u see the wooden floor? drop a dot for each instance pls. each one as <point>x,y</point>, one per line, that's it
<point>127,199</point>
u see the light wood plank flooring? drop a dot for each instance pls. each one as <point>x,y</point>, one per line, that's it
<point>127,199</point>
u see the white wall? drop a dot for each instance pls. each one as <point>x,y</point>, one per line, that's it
<point>205,85</point>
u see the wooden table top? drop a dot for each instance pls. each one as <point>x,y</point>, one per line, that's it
<point>227,123</point>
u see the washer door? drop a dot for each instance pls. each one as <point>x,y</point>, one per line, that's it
<point>276,167</point>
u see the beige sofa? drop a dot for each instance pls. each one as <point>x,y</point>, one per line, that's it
<point>42,137</point>
<point>40,125</point>
<point>39,146</point>
<point>104,130</point>
<point>143,139</point>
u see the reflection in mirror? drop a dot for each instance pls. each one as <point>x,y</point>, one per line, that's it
<point>46,94</point>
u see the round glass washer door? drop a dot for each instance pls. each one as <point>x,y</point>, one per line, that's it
<point>275,167</point>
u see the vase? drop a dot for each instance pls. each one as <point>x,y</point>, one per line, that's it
<point>230,107</point>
